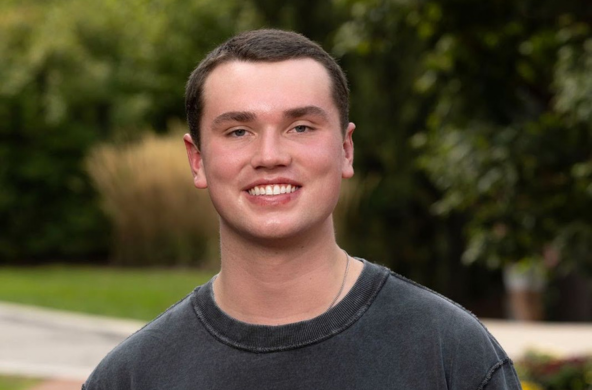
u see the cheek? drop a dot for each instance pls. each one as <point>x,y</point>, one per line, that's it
<point>325,164</point>
<point>326,159</point>
<point>220,166</point>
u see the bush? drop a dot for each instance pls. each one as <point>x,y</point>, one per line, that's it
<point>545,372</point>
<point>74,73</point>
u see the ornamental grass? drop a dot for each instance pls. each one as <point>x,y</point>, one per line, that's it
<point>158,216</point>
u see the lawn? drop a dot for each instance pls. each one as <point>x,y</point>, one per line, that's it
<point>127,293</point>
<point>16,383</point>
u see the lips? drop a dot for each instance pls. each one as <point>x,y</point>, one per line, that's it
<point>272,189</point>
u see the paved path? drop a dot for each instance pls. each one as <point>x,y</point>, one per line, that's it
<point>56,345</point>
<point>562,339</point>
<point>53,344</point>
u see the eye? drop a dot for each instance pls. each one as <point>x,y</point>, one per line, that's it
<point>301,128</point>
<point>238,133</point>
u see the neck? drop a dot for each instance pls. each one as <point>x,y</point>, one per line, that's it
<point>271,284</point>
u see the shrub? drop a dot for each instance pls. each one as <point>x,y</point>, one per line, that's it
<point>74,73</point>
<point>541,371</point>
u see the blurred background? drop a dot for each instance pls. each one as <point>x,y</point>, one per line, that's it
<point>473,148</point>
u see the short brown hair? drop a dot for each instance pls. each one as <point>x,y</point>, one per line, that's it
<point>266,45</point>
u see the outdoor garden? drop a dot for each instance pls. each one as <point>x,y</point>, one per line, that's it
<point>473,152</point>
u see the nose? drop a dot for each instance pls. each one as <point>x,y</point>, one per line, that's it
<point>271,151</point>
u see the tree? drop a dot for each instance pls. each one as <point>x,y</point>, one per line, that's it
<point>508,141</point>
<point>74,73</point>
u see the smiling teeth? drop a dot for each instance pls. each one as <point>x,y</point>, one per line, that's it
<point>275,189</point>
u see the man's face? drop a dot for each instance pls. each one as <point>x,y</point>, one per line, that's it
<point>272,151</point>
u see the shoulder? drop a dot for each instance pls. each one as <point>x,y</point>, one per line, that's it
<point>145,348</point>
<point>417,304</point>
<point>430,324</point>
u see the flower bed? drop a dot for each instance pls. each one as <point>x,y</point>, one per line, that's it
<point>539,371</point>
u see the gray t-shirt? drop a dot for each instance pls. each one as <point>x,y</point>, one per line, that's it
<point>387,333</point>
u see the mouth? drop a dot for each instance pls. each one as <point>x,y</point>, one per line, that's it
<point>273,189</point>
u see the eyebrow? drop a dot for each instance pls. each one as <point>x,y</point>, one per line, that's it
<point>299,112</point>
<point>247,116</point>
<point>235,116</point>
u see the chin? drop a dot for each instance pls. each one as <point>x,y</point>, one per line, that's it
<point>285,233</point>
<point>275,234</point>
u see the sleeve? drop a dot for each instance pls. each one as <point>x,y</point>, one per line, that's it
<point>478,362</point>
<point>112,373</point>
<point>502,376</point>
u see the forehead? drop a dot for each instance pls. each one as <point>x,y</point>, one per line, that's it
<point>266,87</point>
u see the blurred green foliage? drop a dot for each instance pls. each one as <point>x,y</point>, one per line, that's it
<point>508,139</point>
<point>74,73</point>
<point>474,130</point>
<point>554,373</point>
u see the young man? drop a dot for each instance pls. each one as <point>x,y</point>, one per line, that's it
<point>271,141</point>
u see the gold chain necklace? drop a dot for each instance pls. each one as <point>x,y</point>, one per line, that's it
<point>342,282</point>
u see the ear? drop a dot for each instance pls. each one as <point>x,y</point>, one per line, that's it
<point>347,169</point>
<point>195,162</point>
